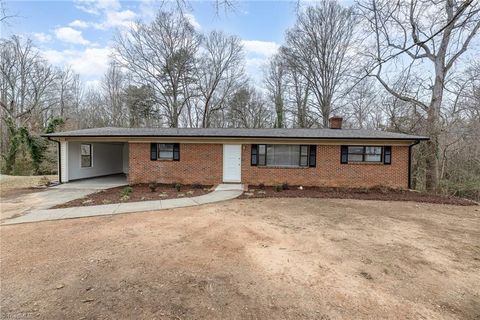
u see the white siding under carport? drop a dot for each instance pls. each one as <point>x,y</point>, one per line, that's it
<point>107,158</point>
<point>64,160</point>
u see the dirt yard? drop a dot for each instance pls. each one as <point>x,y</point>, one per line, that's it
<point>13,186</point>
<point>20,182</point>
<point>249,259</point>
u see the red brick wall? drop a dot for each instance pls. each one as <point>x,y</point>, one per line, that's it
<point>329,171</point>
<point>199,163</point>
<point>202,163</point>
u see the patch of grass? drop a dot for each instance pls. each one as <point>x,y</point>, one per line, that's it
<point>177,187</point>
<point>125,193</point>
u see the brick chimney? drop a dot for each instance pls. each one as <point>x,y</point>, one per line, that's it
<point>336,122</point>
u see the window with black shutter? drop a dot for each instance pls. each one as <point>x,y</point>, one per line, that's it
<point>374,154</point>
<point>176,152</point>
<point>153,151</point>
<point>283,155</point>
<point>254,155</point>
<point>165,151</point>
<point>313,156</point>
<point>387,154</point>
<point>344,154</point>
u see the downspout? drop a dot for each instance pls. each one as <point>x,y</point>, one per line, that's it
<point>59,159</point>
<point>410,163</point>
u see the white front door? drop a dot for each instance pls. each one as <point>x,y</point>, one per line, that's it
<point>232,162</point>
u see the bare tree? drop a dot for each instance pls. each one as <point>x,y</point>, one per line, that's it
<point>68,91</point>
<point>24,81</point>
<point>113,85</point>
<point>94,112</point>
<point>318,47</point>
<point>275,84</point>
<point>298,97</point>
<point>220,72</point>
<point>161,55</point>
<point>425,32</point>
<point>363,105</point>
<point>4,14</point>
<point>248,109</point>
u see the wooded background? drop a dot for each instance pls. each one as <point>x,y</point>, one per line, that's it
<point>403,66</point>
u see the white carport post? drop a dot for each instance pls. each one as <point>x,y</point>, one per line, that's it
<point>64,160</point>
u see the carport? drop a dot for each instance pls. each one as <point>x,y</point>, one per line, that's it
<point>81,159</point>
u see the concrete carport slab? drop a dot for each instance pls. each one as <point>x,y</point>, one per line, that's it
<point>97,183</point>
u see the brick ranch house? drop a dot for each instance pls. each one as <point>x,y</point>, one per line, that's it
<point>309,157</point>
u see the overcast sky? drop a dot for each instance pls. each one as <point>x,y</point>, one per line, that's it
<point>79,33</point>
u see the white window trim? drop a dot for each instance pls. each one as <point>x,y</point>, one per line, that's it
<point>91,155</point>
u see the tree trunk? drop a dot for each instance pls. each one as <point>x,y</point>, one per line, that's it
<point>433,130</point>
<point>279,111</point>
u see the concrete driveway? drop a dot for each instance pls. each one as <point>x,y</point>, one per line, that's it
<point>49,197</point>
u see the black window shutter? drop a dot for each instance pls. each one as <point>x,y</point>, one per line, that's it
<point>312,158</point>
<point>153,151</point>
<point>176,152</point>
<point>344,154</point>
<point>387,154</point>
<point>254,155</point>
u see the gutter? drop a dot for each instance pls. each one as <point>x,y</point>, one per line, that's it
<point>235,137</point>
<point>59,159</point>
<point>410,162</point>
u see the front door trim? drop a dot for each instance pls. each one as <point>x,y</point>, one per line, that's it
<point>232,163</point>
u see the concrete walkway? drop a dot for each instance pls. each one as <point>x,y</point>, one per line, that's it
<point>221,193</point>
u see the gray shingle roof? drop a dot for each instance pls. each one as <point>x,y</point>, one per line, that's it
<point>238,133</point>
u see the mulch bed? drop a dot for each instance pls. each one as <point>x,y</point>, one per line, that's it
<point>139,192</point>
<point>377,193</point>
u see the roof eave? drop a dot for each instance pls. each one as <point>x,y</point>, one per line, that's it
<point>55,135</point>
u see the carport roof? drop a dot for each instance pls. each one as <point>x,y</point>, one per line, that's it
<point>238,133</point>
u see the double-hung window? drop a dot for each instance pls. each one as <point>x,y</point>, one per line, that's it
<point>364,154</point>
<point>281,155</point>
<point>85,155</point>
<point>375,154</point>
<point>165,151</point>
